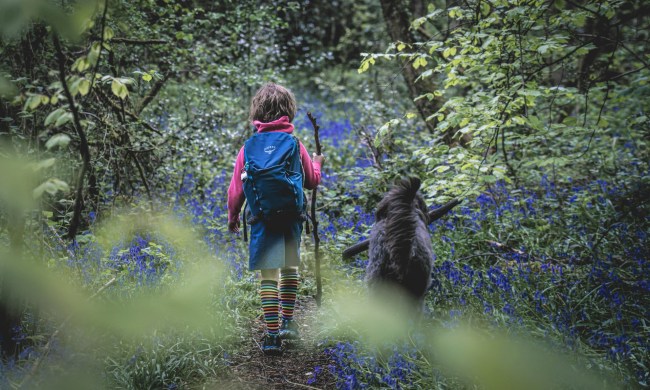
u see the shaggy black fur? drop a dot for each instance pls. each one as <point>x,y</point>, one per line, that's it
<point>400,246</point>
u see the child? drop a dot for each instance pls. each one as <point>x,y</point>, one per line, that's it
<point>275,237</point>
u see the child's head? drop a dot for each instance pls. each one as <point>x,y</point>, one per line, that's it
<point>271,102</point>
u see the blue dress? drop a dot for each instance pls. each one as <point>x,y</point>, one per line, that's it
<point>274,247</point>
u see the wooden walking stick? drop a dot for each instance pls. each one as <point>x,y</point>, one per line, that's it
<point>314,221</point>
<point>244,225</point>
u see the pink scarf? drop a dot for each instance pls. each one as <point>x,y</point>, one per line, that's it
<point>282,125</point>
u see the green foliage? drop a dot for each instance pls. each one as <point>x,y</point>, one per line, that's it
<point>527,86</point>
<point>169,360</point>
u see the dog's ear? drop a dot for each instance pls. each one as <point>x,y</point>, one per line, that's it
<point>415,183</point>
<point>410,186</point>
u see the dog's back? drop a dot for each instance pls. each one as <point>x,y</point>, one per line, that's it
<point>400,246</point>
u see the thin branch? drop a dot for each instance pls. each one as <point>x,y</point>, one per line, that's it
<point>367,140</point>
<point>602,106</point>
<point>152,93</point>
<point>101,45</point>
<point>118,111</point>
<point>595,13</point>
<point>138,42</point>
<point>564,57</point>
<point>625,74</point>
<point>142,175</point>
<point>638,57</point>
<point>83,147</point>
<point>600,113</point>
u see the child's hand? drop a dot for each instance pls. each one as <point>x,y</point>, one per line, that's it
<point>318,158</point>
<point>233,227</point>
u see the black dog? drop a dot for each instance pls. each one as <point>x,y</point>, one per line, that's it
<point>400,253</point>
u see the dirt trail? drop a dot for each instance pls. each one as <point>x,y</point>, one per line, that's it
<point>251,369</point>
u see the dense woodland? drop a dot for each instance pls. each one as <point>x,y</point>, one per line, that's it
<point>119,126</point>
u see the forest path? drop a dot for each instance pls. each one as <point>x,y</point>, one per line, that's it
<point>251,369</point>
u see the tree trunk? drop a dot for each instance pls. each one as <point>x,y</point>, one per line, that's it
<point>398,20</point>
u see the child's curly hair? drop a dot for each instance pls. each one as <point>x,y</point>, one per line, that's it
<point>271,102</point>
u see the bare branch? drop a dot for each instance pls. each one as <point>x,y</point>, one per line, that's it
<point>152,93</point>
<point>138,42</point>
<point>83,146</point>
<point>118,111</point>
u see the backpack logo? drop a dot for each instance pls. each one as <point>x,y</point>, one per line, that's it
<point>269,149</point>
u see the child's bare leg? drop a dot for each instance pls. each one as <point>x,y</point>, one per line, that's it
<point>270,274</point>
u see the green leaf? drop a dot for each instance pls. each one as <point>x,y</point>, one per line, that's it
<point>81,64</point>
<point>116,87</point>
<point>51,186</point>
<point>419,62</point>
<point>63,119</point>
<point>488,179</point>
<point>53,116</point>
<point>61,140</point>
<point>33,102</point>
<point>7,89</point>
<point>43,164</point>
<point>418,22</point>
<point>365,64</point>
<point>108,33</point>
<point>485,8</point>
<point>84,87</point>
<point>93,55</point>
<point>147,77</point>
<point>449,52</point>
<point>73,86</point>
<point>119,89</point>
<point>570,121</point>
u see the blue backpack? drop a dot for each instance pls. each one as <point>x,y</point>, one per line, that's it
<point>273,177</point>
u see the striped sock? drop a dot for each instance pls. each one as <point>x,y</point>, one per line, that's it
<point>270,305</point>
<point>288,291</point>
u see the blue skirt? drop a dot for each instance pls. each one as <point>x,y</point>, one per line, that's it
<point>274,247</point>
